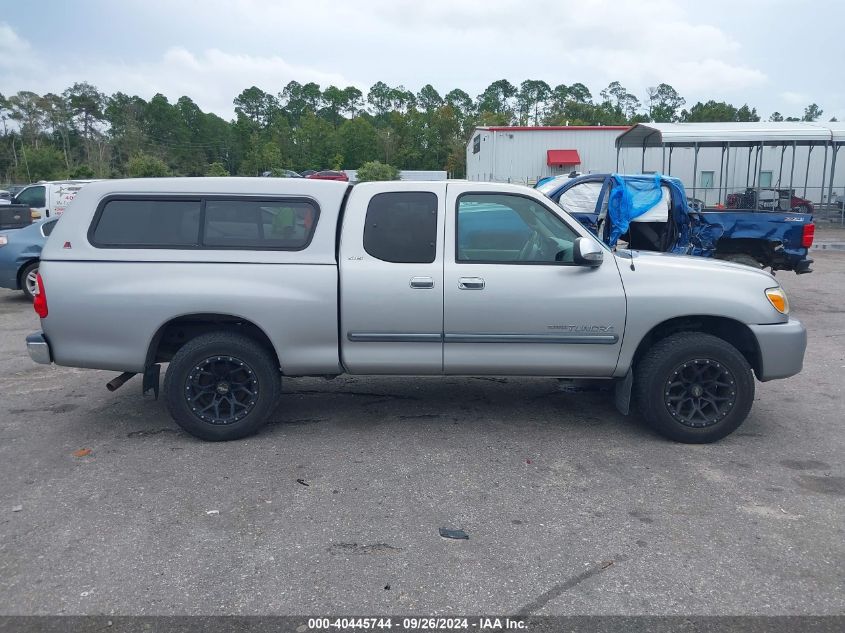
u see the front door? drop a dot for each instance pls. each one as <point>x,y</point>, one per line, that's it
<point>35,197</point>
<point>391,279</point>
<point>514,300</point>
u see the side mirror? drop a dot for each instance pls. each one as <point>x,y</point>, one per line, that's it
<point>587,252</point>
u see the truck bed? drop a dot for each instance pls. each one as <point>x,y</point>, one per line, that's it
<point>780,232</point>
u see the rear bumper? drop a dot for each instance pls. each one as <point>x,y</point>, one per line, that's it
<point>39,348</point>
<point>794,259</point>
<point>803,266</point>
<point>782,348</point>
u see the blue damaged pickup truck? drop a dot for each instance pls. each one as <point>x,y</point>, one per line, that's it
<point>650,212</point>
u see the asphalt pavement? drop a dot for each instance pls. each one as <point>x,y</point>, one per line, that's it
<point>106,507</point>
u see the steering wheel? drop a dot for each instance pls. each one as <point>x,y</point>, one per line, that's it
<point>547,249</point>
<point>530,248</point>
<point>539,248</point>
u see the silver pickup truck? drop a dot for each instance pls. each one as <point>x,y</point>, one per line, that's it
<point>238,282</point>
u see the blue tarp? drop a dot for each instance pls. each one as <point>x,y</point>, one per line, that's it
<point>630,198</point>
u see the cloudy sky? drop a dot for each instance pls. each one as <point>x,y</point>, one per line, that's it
<point>773,54</point>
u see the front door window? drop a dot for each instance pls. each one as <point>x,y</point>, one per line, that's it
<point>34,197</point>
<point>496,228</point>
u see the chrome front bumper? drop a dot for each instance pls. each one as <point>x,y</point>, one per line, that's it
<point>38,348</point>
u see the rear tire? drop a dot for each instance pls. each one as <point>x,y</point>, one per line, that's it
<point>28,284</point>
<point>694,388</point>
<point>222,386</point>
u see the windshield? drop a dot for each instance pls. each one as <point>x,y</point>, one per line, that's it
<point>550,185</point>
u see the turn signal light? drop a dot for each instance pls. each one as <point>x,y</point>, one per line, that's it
<point>777,297</point>
<point>40,300</point>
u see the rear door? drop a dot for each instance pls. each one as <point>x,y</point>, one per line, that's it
<point>391,278</point>
<point>586,200</point>
<point>514,300</point>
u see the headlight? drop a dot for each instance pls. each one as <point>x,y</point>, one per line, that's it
<point>777,297</point>
<point>3,240</point>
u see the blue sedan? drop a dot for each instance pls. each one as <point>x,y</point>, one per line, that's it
<point>19,253</point>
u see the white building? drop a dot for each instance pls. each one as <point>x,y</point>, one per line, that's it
<point>712,159</point>
<point>526,154</point>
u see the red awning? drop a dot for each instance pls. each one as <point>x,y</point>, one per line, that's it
<point>563,157</point>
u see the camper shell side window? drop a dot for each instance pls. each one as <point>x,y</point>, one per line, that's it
<point>204,222</point>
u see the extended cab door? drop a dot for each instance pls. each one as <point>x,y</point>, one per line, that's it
<point>514,300</point>
<point>391,278</point>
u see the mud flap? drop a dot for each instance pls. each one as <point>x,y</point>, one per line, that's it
<point>152,379</point>
<point>622,393</point>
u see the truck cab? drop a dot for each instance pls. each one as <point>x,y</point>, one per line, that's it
<point>451,264</point>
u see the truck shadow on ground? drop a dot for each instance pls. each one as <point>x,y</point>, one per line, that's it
<point>519,403</point>
<point>369,405</point>
<point>14,303</point>
<point>15,298</point>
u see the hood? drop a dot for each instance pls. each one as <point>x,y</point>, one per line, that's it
<point>690,263</point>
<point>668,286</point>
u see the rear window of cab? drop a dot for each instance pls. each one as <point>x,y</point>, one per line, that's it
<point>205,222</point>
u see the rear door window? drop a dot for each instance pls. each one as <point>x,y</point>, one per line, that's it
<point>581,198</point>
<point>401,227</point>
<point>48,227</point>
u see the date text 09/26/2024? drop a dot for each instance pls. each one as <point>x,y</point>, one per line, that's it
<point>416,624</point>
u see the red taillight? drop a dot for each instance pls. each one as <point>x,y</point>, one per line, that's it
<point>808,234</point>
<point>40,300</point>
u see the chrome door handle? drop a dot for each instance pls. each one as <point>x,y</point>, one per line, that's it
<point>422,282</point>
<point>471,283</point>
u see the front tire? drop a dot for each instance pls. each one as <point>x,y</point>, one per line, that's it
<point>694,388</point>
<point>222,386</point>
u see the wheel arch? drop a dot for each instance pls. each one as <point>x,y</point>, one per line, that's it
<point>760,249</point>
<point>729,330</point>
<point>176,332</point>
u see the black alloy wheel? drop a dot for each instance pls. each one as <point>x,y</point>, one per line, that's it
<point>694,387</point>
<point>700,392</point>
<point>221,389</point>
<point>222,386</point>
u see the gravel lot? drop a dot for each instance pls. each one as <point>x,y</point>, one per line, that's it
<point>335,507</point>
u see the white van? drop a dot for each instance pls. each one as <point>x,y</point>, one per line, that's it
<point>49,198</point>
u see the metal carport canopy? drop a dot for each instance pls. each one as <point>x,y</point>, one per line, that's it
<point>732,134</point>
<point>837,131</point>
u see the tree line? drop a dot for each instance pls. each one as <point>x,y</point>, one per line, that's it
<point>84,133</point>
